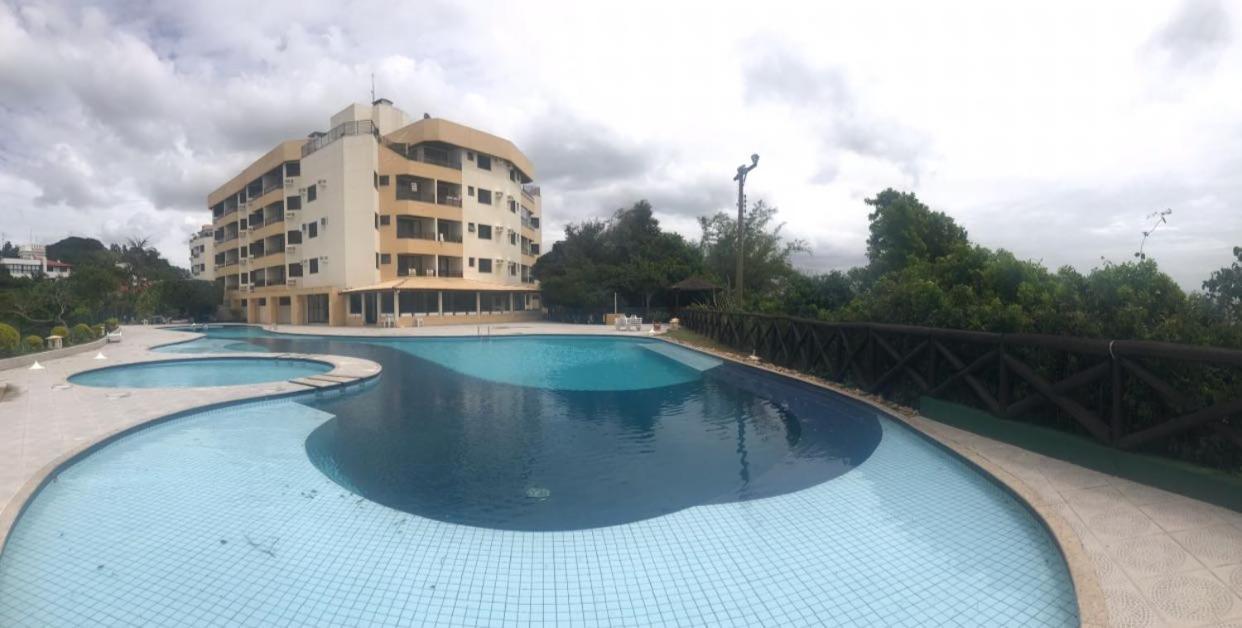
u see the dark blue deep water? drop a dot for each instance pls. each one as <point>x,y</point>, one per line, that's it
<point>569,432</point>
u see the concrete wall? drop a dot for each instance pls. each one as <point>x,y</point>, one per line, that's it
<point>44,356</point>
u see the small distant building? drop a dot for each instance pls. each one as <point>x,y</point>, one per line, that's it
<point>201,252</point>
<point>32,262</point>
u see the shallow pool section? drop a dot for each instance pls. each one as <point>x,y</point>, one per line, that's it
<point>199,373</point>
<point>220,519</point>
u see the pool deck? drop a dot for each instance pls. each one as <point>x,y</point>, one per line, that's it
<point>1140,556</point>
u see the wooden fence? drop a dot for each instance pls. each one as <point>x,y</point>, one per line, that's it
<point>1124,393</point>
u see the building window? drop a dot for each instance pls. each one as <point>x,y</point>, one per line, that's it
<point>293,202</point>
<point>485,196</point>
<point>375,179</point>
<point>470,227</point>
<point>512,237</point>
<point>241,224</point>
<point>262,301</point>
<point>386,302</point>
<point>484,162</point>
<point>355,303</point>
<point>376,220</point>
<point>485,265</point>
<point>313,265</point>
<point>383,180</point>
<point>513,206</point>
<point>312,230</point>
<point>293,169</point>
<point>485,232</point>
<point>295,270</point>
<point>512,268</point>
<point>385,221</point>
<point>244,302</point>
<point>377,260</point>
<point>472,262</point>
<point>469,156</point>
<point>470,190</point>
<point>310,193</point>
<point>385,258</point>
<point>284,301</point>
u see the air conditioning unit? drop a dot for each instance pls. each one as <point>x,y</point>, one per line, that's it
<point>289,181</point>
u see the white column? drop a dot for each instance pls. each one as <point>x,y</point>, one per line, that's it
<point>440,302</point>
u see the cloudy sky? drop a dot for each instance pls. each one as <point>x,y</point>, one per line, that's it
<point>1052,129</point>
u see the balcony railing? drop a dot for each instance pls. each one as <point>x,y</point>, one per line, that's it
<point>530,190</point>
<point>410,152</point>
<point>358,127</point>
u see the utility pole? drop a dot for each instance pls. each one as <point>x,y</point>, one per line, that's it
<point>742,171</point>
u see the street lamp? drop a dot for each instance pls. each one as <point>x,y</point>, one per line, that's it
<point>742,171</point>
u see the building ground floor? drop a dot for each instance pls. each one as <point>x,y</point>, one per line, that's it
<point>392,304</point>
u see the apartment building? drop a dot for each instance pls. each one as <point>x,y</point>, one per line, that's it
<point>380,221</point>
<point>201,246</point>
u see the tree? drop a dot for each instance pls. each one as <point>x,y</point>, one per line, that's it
<point>38,301</point>
<point>904,230</point>
<point>766,253</point>
<point>1224,288</point>
<point>8,250</point>
<point>629,254</point>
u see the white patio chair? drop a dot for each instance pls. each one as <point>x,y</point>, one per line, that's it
<point>636,323</point>
<point>620,322</point>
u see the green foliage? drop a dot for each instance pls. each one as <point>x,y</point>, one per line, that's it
<point>1224,289</point>
<point>33,343</point>
<point>904,231</point>
<point>121,281</point>
<point>81,333</point>
<point>766,254</point>
<point>112,323</point>
<point>10,340</point>
<point>628,254</point>
<point>60,330</point>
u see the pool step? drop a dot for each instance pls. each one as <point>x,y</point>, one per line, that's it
<point>326,381</point>
<point>311,383</point>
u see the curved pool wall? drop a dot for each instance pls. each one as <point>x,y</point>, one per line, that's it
<point>230,520</point>
<point>203,372</point>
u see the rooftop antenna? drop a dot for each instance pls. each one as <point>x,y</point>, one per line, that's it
<point>372,88</point>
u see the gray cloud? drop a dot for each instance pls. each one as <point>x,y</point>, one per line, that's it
<point>777,75</point>
<point>575,153</point>
<point>1197,34</point>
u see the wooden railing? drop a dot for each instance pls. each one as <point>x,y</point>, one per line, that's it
<point>1125,393</point>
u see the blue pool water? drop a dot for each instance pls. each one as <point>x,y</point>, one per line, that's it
<point>199,373</point>
<point>462,489</point>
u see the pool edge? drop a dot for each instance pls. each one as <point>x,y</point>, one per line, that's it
<point>1089,596</point>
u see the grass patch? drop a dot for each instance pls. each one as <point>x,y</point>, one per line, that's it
<point>697,340</point>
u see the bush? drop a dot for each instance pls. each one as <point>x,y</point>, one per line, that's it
<point>81,333</point>
<point>10,340</point>
<point>62,331</point>
<point>112,323</point>
<point>33,343</point>
<point>99,330</point>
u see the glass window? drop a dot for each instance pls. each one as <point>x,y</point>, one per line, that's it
<point>485,196</point>
<point>485,162</point>
<point>485,265</point>
<point>310,193</point>
<point>485,232</point>
<point>355,303</point>
<point>313,265</point>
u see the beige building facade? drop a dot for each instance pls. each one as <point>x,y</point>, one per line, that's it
<point>379,221</point>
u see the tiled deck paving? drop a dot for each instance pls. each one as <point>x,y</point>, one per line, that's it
<point>1161,559</point>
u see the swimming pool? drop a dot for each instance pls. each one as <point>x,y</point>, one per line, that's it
<point>199,373</point>
<point>659,487</point>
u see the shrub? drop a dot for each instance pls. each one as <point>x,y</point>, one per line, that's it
<point>81,333</point>
<point>99,330</point>
<point>62,331</point>
<point>112,323</point>
<point>33,343</point>
<point>10,340</point>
